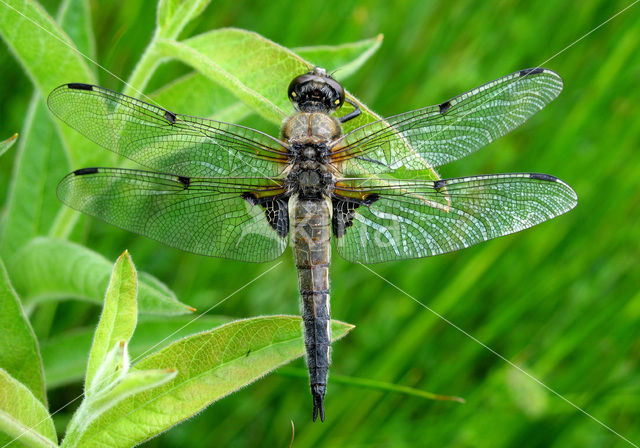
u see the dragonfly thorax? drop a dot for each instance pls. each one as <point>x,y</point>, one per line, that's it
<point>318,152</point>
<point>310,180</point>
<point>310,137</point>
<point>314,128</point>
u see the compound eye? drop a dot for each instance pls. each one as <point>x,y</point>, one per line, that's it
<point>298,81</point>
<point>338,90</point>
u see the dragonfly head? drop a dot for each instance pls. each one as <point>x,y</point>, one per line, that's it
<point>316,91</point>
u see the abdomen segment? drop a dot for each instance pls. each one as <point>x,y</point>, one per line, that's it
<point>311,234</point>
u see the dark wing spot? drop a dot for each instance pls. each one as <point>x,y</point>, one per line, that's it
<point>79,86</point>
<point>344,210</point>
<point>170,116</point>
<point>444,107</point>
<point>370,199</point>
<point>83,171</point>
<point>531,71</point>
<point>438,184</point>
<point>546,177</point>
<point>276,210</point>
<point>186,181</point>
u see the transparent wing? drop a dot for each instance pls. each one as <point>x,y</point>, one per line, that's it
<point>449,131</point>
<point>240,219</point>
<point>392,219</point>
<point>165,141</point>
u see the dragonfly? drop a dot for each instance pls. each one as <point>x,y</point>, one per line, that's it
<point>225,190</point>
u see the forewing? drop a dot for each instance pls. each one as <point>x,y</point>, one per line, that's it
<point>399,219</point>
<point>449,131</point>
<point>163,140</point>
<point>207,216</point>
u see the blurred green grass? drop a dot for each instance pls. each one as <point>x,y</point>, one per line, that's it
<point>560,300</point>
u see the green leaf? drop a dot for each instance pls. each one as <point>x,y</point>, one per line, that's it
<point>151,334</point>
<point>210,366</point>
<point>43,49</point>
<point>50,269</point>
<point>8,143</point>
<point>48,56</point>
<point>131,384</point>
<point>101,401</point>
<point>112,369</point>
<point>257,70</point>
<point>23,415</point>
<point>119,315</point>
<point>74,17</point>
<point>346,59</point>
<point>173,15</point>
<point>19,353</point>
<point>108,380</point>
<point>195,94</point>
<point>41,160</point>
<point>39,166</point>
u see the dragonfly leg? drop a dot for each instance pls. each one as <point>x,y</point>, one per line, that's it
<point>350,115</point>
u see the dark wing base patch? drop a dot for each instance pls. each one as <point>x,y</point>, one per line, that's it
<point>276,209</point>
<point>344,210</point>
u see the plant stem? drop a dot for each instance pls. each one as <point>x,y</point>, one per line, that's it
<point>63,223</point>
<point>144,69</point>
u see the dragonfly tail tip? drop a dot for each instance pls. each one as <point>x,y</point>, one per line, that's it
<point>318,391</point>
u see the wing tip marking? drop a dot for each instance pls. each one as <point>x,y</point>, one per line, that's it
<point>531,71</point>
<point>79,86</point>
<point>546,177</point>
<point>83,171</point>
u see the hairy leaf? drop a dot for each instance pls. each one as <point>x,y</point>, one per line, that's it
<point>210,366</point>
<point>50,269</point>
<point>19,353</point>
<point>344,59</point>
<point>40,164</point>
<point>152,334</point>
<point>257,70</point>
<point>119,315</point>
<point>48,56</point>
<point>41,160</point>
<point>23,415</point>
<point>74,17</point>
<point>173,15</point>
<point>131,384</point>
<point>196,94</point>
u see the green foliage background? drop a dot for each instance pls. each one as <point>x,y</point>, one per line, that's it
<point>560,300</point>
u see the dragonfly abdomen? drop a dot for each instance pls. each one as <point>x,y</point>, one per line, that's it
<point>311,240</point>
